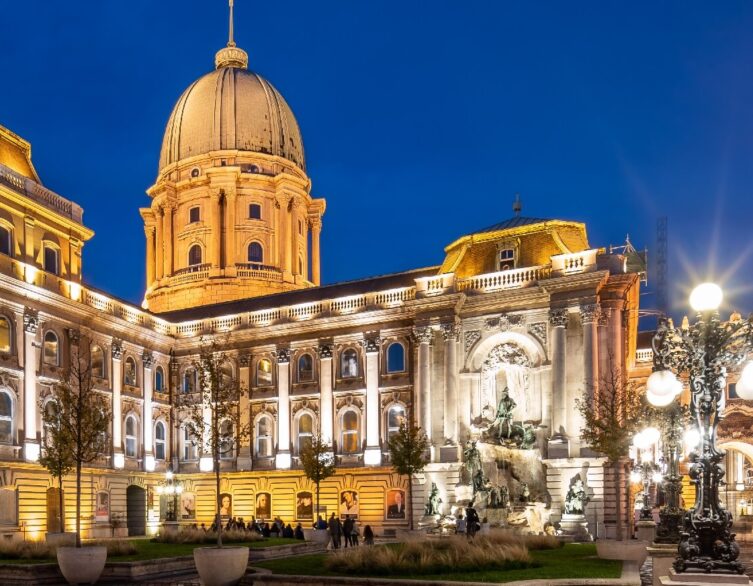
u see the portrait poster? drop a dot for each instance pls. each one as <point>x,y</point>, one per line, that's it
<point>226,505</point>
<point>304,506</point>
<point>395,501</point>
<point>263,505</point>
<point>102,514</point>
<point>188,505</point>
<point>349,503</point>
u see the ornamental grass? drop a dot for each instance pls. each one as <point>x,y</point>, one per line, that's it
<point>39,550</point>
<point>199,536</point>
<point>431,556</point>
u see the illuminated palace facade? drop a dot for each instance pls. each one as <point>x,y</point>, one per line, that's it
<point>232,234</point>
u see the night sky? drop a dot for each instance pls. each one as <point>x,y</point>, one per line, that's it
<point>421,120</point>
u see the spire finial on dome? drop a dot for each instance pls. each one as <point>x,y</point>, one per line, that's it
<point>231,56</point>
<point>517,205</point>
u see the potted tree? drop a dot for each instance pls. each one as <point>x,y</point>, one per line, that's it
<point>407,449</point>
<point>212,417</point>
<point>57,458</point>
<point>81,428</point>
<point>318,463</point>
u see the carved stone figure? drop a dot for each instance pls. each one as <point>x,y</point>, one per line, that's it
<point>525,493</point>
<point>503,421</point>
<point>472,458</point>
<point>527,438</point>
<point>494,497</point>
<point>479,482</point>
<point>576,498</point>
<point>432,506</point>
<point>504,497</point>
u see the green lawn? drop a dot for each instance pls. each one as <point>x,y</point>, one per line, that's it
<point>148,550</point>
<point>571,561</point>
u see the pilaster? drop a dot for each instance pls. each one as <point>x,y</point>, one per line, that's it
<point>118,457</point>
<point>147,359</point>
<point>449,452</point>
<point>424,336</point>
<point>283,458</point>
<point>31,359</point>
<point>373,454</point>
<point>325,387</point>
<point>558,444</point>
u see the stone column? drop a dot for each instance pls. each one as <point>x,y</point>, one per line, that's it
<point>230,203</point>
<point>423,336</point>
<point>244,458</point>
<point>149,230</point>
<point>589,316</point>
<point>605,364</point>
<point>325,386</point>
<point>372,456</point>
<point>284,237</point>
<point>216,231</point>
<point>75,259</point>
<point>450,333</point>
<point>467,386</point>
<point>283,459</point>
<point>739,471</point>
<point>118,458</point>
<point>316,230</point>
<point>31,359</point>
<point>293,237</point>
<point>615,336</point>
<point>147,358</point>
<point>159,245</point>
<point>167,232</point>
<point>558,323</point>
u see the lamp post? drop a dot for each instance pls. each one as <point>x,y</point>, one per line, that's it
<point>171,487</point>
<point>645,469</point>
<point>671,514</point>
<point>703,351</point>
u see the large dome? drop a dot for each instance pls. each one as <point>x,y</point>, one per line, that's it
<point>231,108</point>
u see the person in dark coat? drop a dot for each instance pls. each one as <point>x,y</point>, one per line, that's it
<point>335,531</point>
<point>299,532</point>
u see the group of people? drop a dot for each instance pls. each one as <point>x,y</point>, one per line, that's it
<point>468,524</point>
<point>343,533</point>
<point>275,529</point>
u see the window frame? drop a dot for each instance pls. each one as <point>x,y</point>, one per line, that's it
<point>271,373</point>
<point>189,371</point>
<point>343,353</point>
<point>269,436</point>
<point>191,210</point>
<point>387,367</point>
<point>311,378</point>
<point>260,260</point>
<point>159,375</point>
<point>388,429</point>
<point>103,369</point>
<point>305,434</point>
<point>229,454</point>
<point>9,240</point>
<point>356,431</point>
<point>10,418</point>
<point>253,206</point>
<point>132,438</point>
<point>189,452</point>
<point>10,334</point>
<point>195,246</point>
<point>48,246</point>
<point>135,381</point>
<point>160,442</point>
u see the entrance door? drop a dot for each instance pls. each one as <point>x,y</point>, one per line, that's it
<point>53,510</point>
<point>136,510</point>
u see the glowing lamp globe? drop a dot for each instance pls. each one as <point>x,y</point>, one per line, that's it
<point>651,435</point>
<point>706,297</point>
<point>657,477</point>
<point>659,400</point>
<point>692,438</point>
<point>662,383</point>
<point>744,386</point>
<point>635,477</point>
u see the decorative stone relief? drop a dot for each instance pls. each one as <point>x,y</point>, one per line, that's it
<point>395,397</point>
<point>589,313</point>
<point>538,331</point>
<point>506,353</point>
<point>282,355</point>
<point>325,351</point>
<point>310,404</point>
<point>31,320</point>
<point>603,318</point>
<point>450,332</point>
<point>423,335</point>
<point>348,401</point>
<point>268,407</point>
<point>558,318</point>
<point>504,322</point>
<point>117,349</point>
<point>471,338</point>
<point>244,360</point>
<point>147,358</point>
<point>74,336</point>
<point>8,381</point>
<point>371,344</point>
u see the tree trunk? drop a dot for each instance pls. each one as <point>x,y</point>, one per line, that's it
<point>78,504</point>
<point>317,505</point>
<point>219,502</point>
<point>618,500</point>
<point>60,504</point>
<point>410,501</point>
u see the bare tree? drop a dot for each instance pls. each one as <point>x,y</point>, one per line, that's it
<point>81,423</point>
<point>56,456</point>
<point>408,455</point>
<point>212,413</point>
<point>318,462</point>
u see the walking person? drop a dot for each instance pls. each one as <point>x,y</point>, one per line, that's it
<point>354,533</point>
<point>347,530</point>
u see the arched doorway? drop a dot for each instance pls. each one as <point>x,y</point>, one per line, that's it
<point>136,510</point>
<point>54,514</point>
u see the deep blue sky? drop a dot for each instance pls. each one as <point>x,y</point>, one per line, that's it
<point>420,120</point>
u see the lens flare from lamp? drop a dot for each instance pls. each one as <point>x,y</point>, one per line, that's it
<point>692,438</point>
<point>651,435</point>
<point>659,400</point>
<point>662,383</point>
<point>744,385</point>
<point>657,477</point>
<point>706,297</point>
<point>635,477</point>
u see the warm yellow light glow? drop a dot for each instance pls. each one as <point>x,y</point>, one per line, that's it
<point>706,297</point>
<point>635,477</point>
<point>74,290</point>
<point>30,274</point>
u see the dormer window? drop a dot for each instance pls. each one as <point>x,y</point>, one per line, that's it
<point>194,215</point>
<point>506,259</point>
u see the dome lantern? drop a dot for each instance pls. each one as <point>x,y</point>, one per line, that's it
<point>231,56</point>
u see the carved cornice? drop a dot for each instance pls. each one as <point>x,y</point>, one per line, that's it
<point>558,318</point>
<point>589,313</point>
<point>423,335</point>
<point>31,320</point>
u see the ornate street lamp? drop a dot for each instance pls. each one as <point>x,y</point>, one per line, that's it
<point>171,487</point>
<point>703,351</point>
<point>645,469</point>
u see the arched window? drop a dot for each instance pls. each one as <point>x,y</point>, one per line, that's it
<point>395,418</point>
<point>264,427</point>
<point>305,431</point>
<point>254,211</point>
<point>97,362</point>
<point>159,441</point>
<point>50,354</point>
<point>255,253</point>
<point>194,255</point>
<point>6,241</point>
<point>189,445</point>
<point>5,335</point>
<point>130,435</point>
<point>51,420</point>
<point>395,357</point>
<point>305,368</point>
<point>189,380</point>
<point>349,432</point>
<point>159,379</point>
<point>264,373</point>
<point>6,417</point>
<point>226,374</point>
<point>227,440</point>
<point>51,260</point>
<point>349,363</point>
<point>129,372</point>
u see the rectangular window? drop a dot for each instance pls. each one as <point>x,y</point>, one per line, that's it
<point>194,215</point>
<point>159,451</point>
<point>506,259</point>
<point>732,391</point>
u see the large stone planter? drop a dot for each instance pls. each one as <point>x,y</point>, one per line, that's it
<point>82,565</point>
<point>55,540</point>
<point>316,535</point>
<point>627,551</point>
<point>220,566</point>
